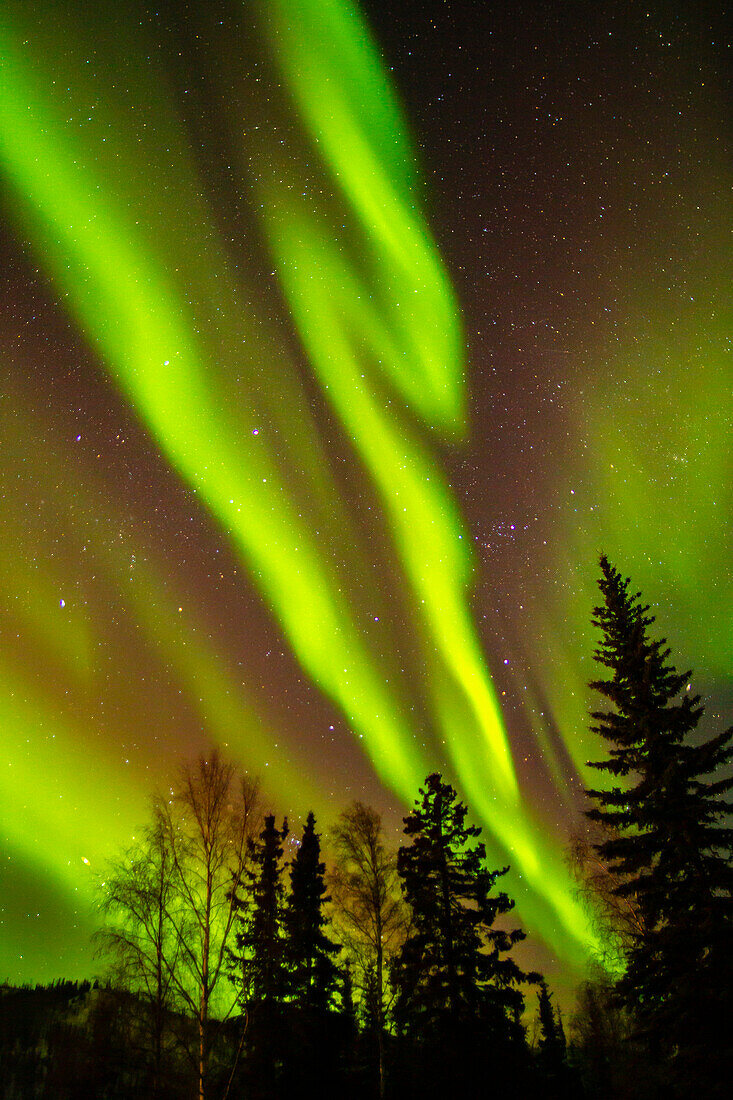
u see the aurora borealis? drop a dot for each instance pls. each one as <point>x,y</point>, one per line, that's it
<point>331,358</point>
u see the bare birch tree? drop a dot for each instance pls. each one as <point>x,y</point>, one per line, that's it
<point>208,821</point>
<point>170,906</point>
<point>370,913</point>
<point>617,917</point>
<point>139,937</point>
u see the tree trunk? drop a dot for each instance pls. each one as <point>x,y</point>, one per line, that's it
<point>204,1001</point>
<point>380,1006</point>
<point>202,1054</point>
<point>159,991</point>
<point>446,899</point>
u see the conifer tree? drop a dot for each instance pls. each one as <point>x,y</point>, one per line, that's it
<point>668,844</point>
<point>313,975</point>
<point>552,1049</point>
<point>260,955</point>
<point>552,1042</point>
<point>259,961</point>
<point>348,1008</point>
<point>454,965</point>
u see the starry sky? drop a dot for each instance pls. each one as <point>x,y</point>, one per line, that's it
<point>337,342</point>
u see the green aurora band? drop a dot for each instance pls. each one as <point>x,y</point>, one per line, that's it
<point>105,184</point>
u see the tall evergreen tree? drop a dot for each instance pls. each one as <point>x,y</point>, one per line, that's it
<point>260,954</point>
<point>558,1080</point>
<point>259,960</point>
<point>552,1044</point>
<point>454,965</point>
<point>316,1035</point>
<point>313,975</point>
<point>348,1008</point>
<point>668,845</point>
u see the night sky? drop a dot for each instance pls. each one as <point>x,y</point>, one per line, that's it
<point>335,348</point>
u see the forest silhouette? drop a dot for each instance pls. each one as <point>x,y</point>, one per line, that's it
<point>241,960</point>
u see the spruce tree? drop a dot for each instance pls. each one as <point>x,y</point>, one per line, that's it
<point>557,1079</point>
<point>313,975</point>
<point>259,961</point>
<point>552,1044</point>
<point>260,955</point>
<point>668,844</point>
<point>454,965</point>
<point>348,1008</point>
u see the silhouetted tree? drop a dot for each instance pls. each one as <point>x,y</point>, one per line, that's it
<point>616,916</point>
<point>552,1044</point>
<point>260,943</point>
<point>611,1066</point>
<point>258,958</point>
<point>313,1033</point>
<point>558,1080</point>
<point>667,844</point>
<point>208,823</point>
<point>458,986</point>
<point>139,937</point>
<point>370,911</point>
<point>313,975</point>
<point>348,1008</point>
<point>349,1030</point>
